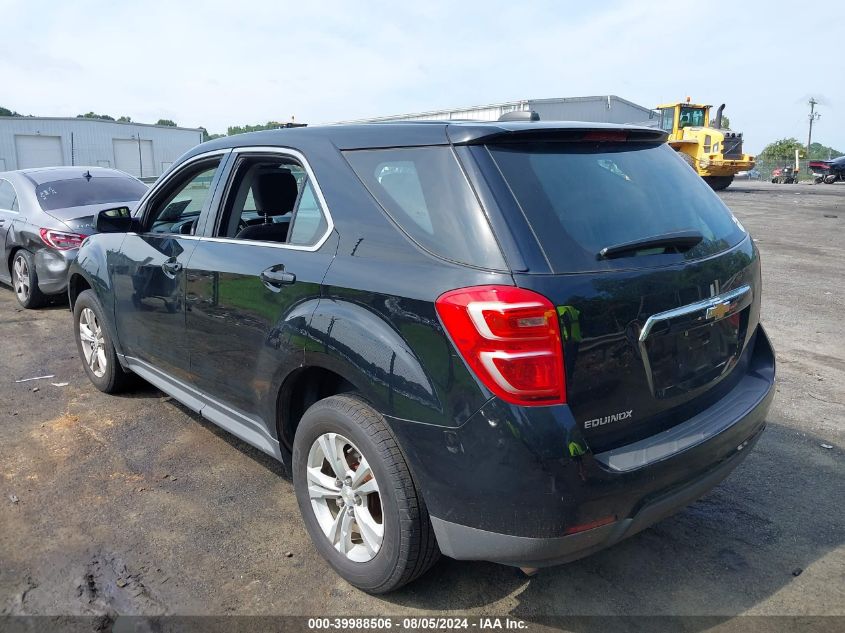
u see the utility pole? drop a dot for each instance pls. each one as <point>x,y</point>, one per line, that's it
<point>813,116</point>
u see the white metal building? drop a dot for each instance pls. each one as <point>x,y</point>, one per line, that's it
<point>143,150</point>
<point>605,109</point>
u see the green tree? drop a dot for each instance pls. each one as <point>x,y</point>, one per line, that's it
<point>124,119</point>
<point>726,123</point>
<point>782,149</point>
<point>270,125</point>
<point>7,112</point>
<point>93,115</point>
<point>209,137</point>
<point>167,122</point>
<point>819,151</point>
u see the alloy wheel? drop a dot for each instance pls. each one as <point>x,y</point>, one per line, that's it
<point>93,342</point>
<point>21,281</point>
<point>345,497</point>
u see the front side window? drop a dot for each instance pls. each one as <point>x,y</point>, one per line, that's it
<point>425,192</point>
<point>8,200</point>
<point>179,210</point>
<point>691,117</point>
<point>272,199</point>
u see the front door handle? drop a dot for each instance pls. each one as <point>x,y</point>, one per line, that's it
<point>275,277</point>
<point>171,267</point>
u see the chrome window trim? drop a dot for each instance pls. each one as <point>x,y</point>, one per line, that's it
<point>299,157</point>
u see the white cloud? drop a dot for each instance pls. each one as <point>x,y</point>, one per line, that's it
<point>221,63</point>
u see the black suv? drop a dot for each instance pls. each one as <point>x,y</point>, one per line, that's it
<point>518,342</point>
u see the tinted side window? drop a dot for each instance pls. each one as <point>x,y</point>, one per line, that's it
<point>309,223</point>
<point>424,191</point>
<point>7,196</point>
<point>180,208</point>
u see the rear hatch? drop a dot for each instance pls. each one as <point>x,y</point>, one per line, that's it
<point>656,283</point>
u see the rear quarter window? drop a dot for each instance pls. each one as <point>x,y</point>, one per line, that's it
<point>582,197</point>
<point>425,192</point>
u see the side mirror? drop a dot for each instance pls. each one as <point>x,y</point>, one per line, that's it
<point>117,220</point>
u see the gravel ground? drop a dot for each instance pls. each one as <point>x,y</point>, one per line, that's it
<point>134,505</point>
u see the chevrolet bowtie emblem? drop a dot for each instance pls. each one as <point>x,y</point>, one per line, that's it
<point>719,310</point>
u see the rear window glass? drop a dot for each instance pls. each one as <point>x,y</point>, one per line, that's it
<point>425,192</point>
<point>77,192</point>
<point>582,197</point>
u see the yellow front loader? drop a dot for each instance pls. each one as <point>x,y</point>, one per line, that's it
<point>715,153</point>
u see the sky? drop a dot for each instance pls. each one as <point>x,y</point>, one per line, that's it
<point>221,63</point>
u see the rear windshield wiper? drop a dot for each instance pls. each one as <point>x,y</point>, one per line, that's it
<point>679,241</point>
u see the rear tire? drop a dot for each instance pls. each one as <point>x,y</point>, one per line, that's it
<point>347,427</point>
<point>25,281</point>
<point>95,346</point>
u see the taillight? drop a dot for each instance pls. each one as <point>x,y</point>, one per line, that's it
<point>510,338</point>
<point>60,240</point>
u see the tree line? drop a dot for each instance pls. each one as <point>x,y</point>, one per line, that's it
<point>784,149</point>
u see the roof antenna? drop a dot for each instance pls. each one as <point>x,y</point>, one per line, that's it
<point>87,175</point>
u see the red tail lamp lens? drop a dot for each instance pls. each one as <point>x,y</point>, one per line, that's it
<point>510,338</point>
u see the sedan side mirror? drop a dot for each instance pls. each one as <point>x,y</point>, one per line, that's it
<point>117,220</point>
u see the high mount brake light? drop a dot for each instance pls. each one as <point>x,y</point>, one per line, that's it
<point>510,338</point>
<point>609,136</point>
<point>60,240</point>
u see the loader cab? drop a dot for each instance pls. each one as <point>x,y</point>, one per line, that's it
<point>677,116</point>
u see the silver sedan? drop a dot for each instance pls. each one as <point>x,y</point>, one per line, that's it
<point>45,214</point>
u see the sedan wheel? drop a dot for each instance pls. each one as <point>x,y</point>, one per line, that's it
<point>93,342</point>
<point>25,280</point>
<point>21,280</point>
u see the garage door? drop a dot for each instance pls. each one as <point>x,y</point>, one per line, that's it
<point>38,151</point>
<point>132,159</point>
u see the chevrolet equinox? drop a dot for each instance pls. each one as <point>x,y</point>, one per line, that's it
<point>518,342</point>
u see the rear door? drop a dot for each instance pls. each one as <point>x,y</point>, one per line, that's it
<point>656,284</point>
<point>148,272</point>
<point>254,280</point>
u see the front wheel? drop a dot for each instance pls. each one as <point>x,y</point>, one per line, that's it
<point>357,497</point>
<point>95,345</point>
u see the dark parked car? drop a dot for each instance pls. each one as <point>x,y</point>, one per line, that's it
<point>44,216</point>
<point>828,171</point>
<point>514,342</point>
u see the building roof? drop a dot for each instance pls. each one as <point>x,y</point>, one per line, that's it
<point>35,119</point>
<point>517,104</point>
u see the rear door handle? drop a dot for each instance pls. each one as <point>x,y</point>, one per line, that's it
<point>171,267</point>
<point>275,277</point>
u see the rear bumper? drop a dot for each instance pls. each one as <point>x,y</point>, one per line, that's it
<point>52,266</point>
<point>466,543</point>
<point>503,488</point>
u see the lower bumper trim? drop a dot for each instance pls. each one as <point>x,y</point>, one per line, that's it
<point>467,543</point>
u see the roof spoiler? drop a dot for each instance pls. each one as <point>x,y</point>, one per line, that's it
<point>520,115</point>
<point>472,135</point>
